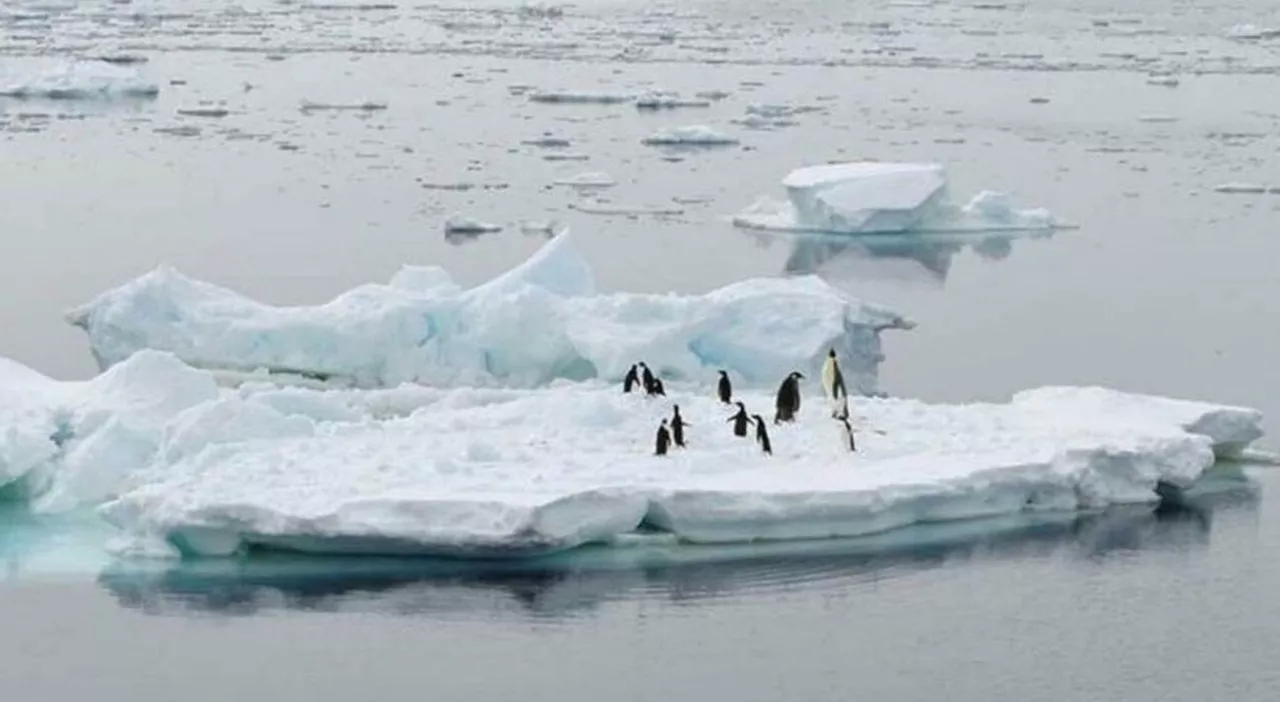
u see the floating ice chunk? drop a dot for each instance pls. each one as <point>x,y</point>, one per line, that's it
<point>865,197</point>
<point>1252,31</point>
<point>458,224</point>
<point>1241,188</point>
<point>668,101</point>
<point>879,198</point>
<point>483,473</point>
<point>81,80</point>
<point>537,322</point>
<point>695,135</point>
<point>580,97</point>
<point>367,106</point>
<point>1163,81</point>
<point>594,179</point>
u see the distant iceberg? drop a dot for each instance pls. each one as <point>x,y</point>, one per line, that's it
<point>80,80</point>
<point>541,321</point>
<point>474,472</point>
<point>879,198</point>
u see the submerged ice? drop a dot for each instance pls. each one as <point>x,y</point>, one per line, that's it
<point>540,321</point>
<point>520,472</point>
<point>79,80</point>
<point>875,197</point>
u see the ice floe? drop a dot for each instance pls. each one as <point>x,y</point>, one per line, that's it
<point>458,224</point>
<point>694,135</point>
<point>593,179</point>
<point>537,322</point>
<point>79,80</point>
<point>668,101</point>
<point>580,97</point>
<point>874,197</point>
<point>520,472</point>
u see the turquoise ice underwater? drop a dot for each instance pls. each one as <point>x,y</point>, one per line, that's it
<point>1147,126</point>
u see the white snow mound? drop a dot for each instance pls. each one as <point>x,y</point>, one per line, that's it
<point>80,80</point>
<point>535,323</point>
<point>695,135</point>
<point>878,198</point>
<point>515,472</point>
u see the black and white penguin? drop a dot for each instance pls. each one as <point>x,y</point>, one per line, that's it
<point>646,378</point>
<point>848,432</point>
<point>788,402</point>
<point>740,421</point>
<point>631,379</point>
<point>677,426</point>
<point>762,435</point>
<point>663,440</point>
<point>833,386</point>
<point>725,389</point>
<point>656,387</point>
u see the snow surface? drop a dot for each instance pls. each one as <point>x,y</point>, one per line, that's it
<point>881,198</point>
<point>78,80</point>
<point>537,322</point>
<point>519,472</point>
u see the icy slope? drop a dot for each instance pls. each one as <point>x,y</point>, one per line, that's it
<point>877,198</point>
<point>91,434</point>
<point>539,321</point>
<point>515,472</point>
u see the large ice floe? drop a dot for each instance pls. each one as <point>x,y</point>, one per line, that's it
<point>79,80</point>
<point>874,198</point>
<point>507,472</point>
<point>537,322</point>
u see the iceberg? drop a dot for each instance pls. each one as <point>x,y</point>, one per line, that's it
<point>80,80</point>
<point>882,198</point>
<point>476,472</point>
<point>536,323</point>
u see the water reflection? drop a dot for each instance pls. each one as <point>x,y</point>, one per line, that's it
<point>578,583</point>
<point>904,258</point>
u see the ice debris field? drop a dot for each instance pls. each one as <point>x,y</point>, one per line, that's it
<point>421,418</point>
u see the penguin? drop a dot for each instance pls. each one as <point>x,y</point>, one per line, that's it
<point>725,388</point>
<point>833,386</point>
<point>762,435</point>
<point>630,380</point>
<point>656,388</point>
<point>848,432</point>
<point>677,426</point>
<point>646,378</point>
<point>740,421</point>
<point>788,401</point>
<point>663,440</point>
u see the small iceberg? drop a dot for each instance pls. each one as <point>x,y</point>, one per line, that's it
<point>80,80</point>
<point>879,198</point>
<point>538,322</point>
<point>458,224</point>
<point>580,97</point>
<point>695,135</point>
<point>594,179</point>
<point>482,473</point>
<point>668,101</point>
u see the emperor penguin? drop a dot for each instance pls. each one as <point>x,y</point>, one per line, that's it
<point>740,420</point>
<point>677,426</point>
<point>762,435</point>
<point>663,440</point>
<point>631,379</point>
<point>788,401</point>
<point>725,388</point>
<point>833,386</point>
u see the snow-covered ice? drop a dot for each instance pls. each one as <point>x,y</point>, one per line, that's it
<point>70,443</point>
<point>877,198</point>
<point>537,322</point>
<point>658,100</point>
<point>79,80</point>
<point>592,179</point>
<point>517,472</point>
<point>459,224</point>
<point>693,135</point>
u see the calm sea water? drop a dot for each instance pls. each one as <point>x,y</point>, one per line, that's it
<point>1166,287</point>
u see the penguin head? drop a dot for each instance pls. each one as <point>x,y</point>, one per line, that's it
<point>642,365</point>
<point>676,408</point>
<point>741,406</point>
<point>831,353</point>
<point>664,422</point>
<point>758,418</point>
<point>723,374</point>
<point>797,375</point>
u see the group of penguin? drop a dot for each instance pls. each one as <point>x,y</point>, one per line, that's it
<point>786,404</point>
